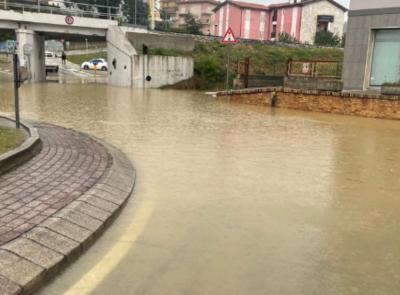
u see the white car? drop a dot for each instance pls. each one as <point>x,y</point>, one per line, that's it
<point>95,64</point>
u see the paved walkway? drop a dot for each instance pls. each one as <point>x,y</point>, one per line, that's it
<point>68,165</point>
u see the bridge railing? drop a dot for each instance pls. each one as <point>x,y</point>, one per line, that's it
<point>63,8</point>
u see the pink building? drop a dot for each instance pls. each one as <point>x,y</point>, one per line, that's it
<point>202,10</point>
<point>301,19</point>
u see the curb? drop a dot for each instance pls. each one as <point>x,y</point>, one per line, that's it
<point>28,262</point>
<point>30,148</point>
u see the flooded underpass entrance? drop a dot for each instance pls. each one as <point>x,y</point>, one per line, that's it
<point>233,199</point>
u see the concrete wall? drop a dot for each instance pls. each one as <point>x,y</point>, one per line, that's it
<point>310,13</point>
<point>132,69</point>
<point>34,62</point>
<point>160,40</point>
<point>163,70</point>
<point>359,47</point>
<point>122,51</point>
<point>315,101</point>
<point>373,4</point>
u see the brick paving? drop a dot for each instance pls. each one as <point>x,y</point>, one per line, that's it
<point>68,165</point>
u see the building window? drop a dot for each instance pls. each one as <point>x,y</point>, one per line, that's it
<point>323,22</point>
<point>262,25</point>
<point>274,15</point>
<point>247,17</point>
<point>273,32</point>
<point>385,66</point>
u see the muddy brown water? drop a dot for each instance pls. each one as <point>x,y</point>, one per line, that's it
<point>233,199</point>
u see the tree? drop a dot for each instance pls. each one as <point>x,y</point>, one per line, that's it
<point>6,35</point>
<point>326,38</point>
<point>140,16</point>
<point>193,26</point>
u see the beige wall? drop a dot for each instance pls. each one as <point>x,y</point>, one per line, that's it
<point>373,4</point>
<point>309,20</point>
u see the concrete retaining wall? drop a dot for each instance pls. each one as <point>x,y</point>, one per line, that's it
<point>152,39</point>
<point>384,107</point>
<point>128,68</point>
<point>163,70</point>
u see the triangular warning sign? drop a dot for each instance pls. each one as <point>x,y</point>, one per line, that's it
<point>229,37</point>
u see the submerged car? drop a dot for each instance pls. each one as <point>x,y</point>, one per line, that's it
<point>95,64</point>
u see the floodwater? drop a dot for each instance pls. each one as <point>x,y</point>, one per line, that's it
<point>234,199</point>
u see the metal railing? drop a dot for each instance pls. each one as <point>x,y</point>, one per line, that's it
<point>316,69</point>
<point>63,8</point>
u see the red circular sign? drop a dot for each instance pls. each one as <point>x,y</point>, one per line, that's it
<point>69,20</point>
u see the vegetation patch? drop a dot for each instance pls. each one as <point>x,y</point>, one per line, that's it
<point>10,138</point>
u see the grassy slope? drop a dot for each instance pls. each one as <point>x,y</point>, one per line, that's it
<point>266,59</point>
<point>79,59</point>
<point>211,57</point>
<point>10,138</point>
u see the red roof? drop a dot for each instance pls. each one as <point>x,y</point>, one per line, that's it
<point>215,2</point>
<point>278,5</point>
<point>242,5</point>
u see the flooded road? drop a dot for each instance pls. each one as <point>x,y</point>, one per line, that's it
<point>233,199</point>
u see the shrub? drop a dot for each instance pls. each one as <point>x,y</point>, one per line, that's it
<point>209,68</point>
<point>326,38</point>
<point>286,38</point>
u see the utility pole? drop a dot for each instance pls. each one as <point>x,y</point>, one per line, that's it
<point>228,66</point>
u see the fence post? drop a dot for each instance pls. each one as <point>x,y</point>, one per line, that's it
<point>246,72</point>
<point>288,66</point>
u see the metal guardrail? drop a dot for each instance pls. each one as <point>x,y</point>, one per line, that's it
<point>63,8</point>
<point>315,69</point>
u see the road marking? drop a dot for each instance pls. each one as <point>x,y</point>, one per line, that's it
<point>93,278</point>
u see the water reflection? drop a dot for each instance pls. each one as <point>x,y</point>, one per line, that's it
<point>242,201</point>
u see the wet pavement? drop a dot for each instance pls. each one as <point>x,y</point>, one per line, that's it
<point>234,199</point>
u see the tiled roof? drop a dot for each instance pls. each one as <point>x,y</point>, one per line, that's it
<point>278,5</point>
<point>198,1</point>
<point>243,5</point>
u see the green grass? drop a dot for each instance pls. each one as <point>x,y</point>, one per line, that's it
<point>10,138</point>
<point>79,59</point>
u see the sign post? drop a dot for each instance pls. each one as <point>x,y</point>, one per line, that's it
<point>229,39</point>
<point>16,86</point>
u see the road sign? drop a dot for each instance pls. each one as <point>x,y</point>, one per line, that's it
<point>229,37</point>
<point>69,20</point>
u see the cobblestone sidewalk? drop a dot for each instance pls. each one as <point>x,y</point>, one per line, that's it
<point>67,166</point>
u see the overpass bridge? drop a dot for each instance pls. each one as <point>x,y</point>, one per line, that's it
<point>35,23</point>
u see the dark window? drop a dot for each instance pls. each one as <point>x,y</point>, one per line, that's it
<point>273,32</point>
<point>323,22</point>
<point>274,15</point>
